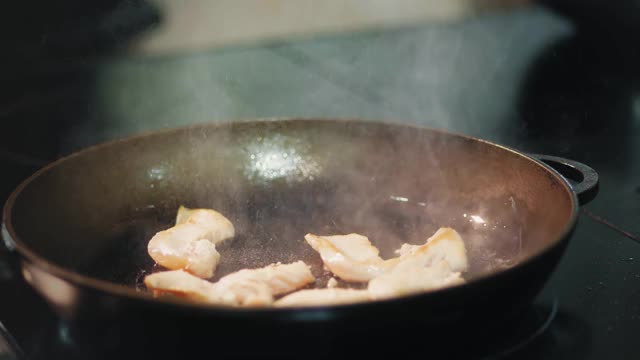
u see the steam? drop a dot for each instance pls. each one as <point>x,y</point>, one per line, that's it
<point>462,77</point>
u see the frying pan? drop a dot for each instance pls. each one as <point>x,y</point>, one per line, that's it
<point>78,229</point>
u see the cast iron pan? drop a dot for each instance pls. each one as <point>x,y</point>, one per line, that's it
<point>79,227</point>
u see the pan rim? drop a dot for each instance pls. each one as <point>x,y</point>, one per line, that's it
<point>112,288</point>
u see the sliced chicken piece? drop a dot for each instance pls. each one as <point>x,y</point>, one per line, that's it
<point>202,258</point>
<point>181,283</point>
<point>355,246</point>
<point>350,257</point>
<point>249,292</point>
<point>411,278</point>
<point>353,258</point>
<point>186,285</point>
<point>248,287</point>
<point>436,264</point>
<point>220,228</point>
<point>258,286</point>
<point>321,297</point>
<point>190,244</point>
<point>446,244</point>
<point>185,247</point>
<point>332,283</point>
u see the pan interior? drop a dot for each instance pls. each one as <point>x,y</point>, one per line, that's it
<point>276,181</point>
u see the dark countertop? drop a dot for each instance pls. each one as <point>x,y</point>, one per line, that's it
<point>527,79</point>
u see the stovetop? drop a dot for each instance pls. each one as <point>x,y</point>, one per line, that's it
<point>524,337</point>
<point>528,79</point>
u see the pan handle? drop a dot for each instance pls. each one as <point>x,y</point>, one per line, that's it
<point>586,179</point>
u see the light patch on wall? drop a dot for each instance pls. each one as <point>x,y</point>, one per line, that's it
<point>197,24</point>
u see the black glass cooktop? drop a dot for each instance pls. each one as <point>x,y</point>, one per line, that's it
<point>529,78</point>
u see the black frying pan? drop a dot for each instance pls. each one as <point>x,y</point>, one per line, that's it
<point>79,229</point>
